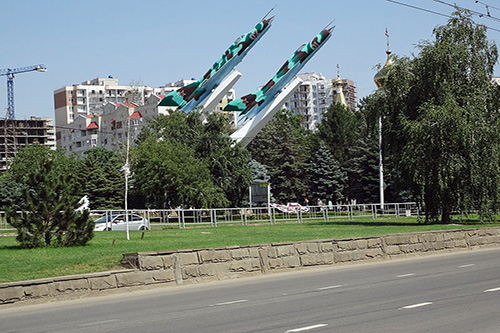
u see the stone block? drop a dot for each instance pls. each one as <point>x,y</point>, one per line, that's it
<point>357,255</point>
<point>285,250</point>
<point>347,245</point>
<point>342,256</point>
<point>102,283</point>
<point>163,276</point>
<point>150,262</point>
<point>392,250</point>
<point>393,240</point>
<point>37,291</point>
<point>168,261</point>
<point>324,258</point>
<point>301,248</point>
<point>237,266</point>
<point>253,252</point>
<point>252,265</point>
<point>71,285</point>
<point>308,260</point>
<point>460,243</point>
<point>11,295</point>
<point>189,258</point>
<point>326,247</point>
<point>239,254</point>
<point>312,247</point>
<point>291,262</point>
<point>362,244</point>
<point>374,243</point>
<point>136,278</point>
<point>208,269</point>
<point>264,260</point>
<point>276,263</point>
<point>190,272</point>
<point>272,252</point>
<point>374,253</point>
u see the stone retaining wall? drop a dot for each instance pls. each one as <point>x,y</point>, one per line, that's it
<point>198,265</point>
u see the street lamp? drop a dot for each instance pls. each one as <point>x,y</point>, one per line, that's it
<point>379,79</point>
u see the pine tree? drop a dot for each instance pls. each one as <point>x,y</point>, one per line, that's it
<point>327,180</point>
<point>50,193</point>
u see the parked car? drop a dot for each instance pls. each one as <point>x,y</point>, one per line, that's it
<point>118,222</point>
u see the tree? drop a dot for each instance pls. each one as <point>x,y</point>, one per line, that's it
<point>10,193</point>
<point>218,169</point>
<point>339,130</point>
<point>50,193</point>
<point>167,173</point>
<point>102,178</point>
<point>440,123</point>
<point>282,146</point>
<point>327,179</point>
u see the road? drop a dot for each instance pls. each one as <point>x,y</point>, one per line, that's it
<point>457,292</point>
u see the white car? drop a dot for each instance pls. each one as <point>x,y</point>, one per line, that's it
<point>118,222</point>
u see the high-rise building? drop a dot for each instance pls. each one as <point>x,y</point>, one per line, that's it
<point>105,111</point>
<point>316,94</point>
<point>311,99</point>
<point>18,133</point>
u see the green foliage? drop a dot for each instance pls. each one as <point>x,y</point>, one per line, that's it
<point>327,179</point>
<point>363,172</point>
<point>339,130</point>
<point>102,179</point>
<point>441,126</point>
<point>10,193</point>
<point>50,193</point>
<point>281,146</point>
<point>180,160</point>
<point>259,172</point>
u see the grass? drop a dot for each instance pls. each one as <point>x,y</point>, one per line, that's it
<point>105,250</point>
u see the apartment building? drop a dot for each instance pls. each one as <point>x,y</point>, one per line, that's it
<point>105,123</point>
<point>312,98</point>
<point>16,134</point>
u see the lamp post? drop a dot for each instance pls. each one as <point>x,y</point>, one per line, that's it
<point>379,81</point>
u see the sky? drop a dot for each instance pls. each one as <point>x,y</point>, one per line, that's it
<point>154,42</point>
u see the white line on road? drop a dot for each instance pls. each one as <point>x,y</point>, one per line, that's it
<point>330,287</point>
<point>230,302</point>
<point>307,328</point>
<point>99,322</point>
<point>467,265</point>
<point>416,305</point>
<point>406,275</point>
<point>494,289</point>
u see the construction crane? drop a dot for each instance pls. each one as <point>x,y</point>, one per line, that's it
<point>10,73</point>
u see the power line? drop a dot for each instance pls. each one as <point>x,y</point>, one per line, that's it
<point>487,6</point>
<point>436,13</point>
<point>488,16</point>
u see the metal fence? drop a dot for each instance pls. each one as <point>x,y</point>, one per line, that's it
<point>184,218</point>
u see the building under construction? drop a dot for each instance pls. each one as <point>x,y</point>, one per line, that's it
<point>18,133</point>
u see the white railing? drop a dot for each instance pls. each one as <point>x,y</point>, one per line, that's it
<point>183,218</point>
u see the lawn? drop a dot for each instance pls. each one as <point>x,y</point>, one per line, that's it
<point>105,250</point>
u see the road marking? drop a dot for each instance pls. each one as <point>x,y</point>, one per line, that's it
<point>467,265</point>
<point>230,302</point>
<point>331,287</point>
<point>406,275</point>
<point>494,289</point>
<point>99,322</point>
<point>307,328</point>
<point>416,305</point>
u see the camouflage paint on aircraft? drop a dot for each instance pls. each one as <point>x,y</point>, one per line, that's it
<point>247,104</point>
<point>186,98</point>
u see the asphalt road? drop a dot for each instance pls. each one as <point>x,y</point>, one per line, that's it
<point>457,292</point>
